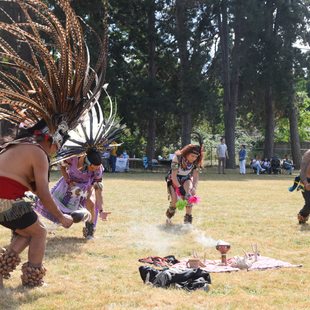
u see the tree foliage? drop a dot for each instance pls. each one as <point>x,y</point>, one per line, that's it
<point>267,76</point>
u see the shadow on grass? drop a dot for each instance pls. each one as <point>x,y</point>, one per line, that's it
<point>13,298</point>
<point>63,246</point>
<point>175,229</point>
<point>305,227</point>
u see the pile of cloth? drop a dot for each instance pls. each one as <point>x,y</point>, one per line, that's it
<point>160,261</point>
<point>189,280</point>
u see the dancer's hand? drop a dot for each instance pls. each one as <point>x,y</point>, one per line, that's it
<point>104,215</point>
<point>193,191</point>
<point>307,186</point>
<point>66,221</point>
<point>69,182</point>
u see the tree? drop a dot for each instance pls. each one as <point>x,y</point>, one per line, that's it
<point>230,69</point>
<point>165,69</point>
<point>151,130</point>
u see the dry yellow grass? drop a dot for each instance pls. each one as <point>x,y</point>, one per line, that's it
<point>103,273</point>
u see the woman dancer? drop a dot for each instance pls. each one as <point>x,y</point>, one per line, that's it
<point>182,179</point>
<point>81,183</point>
<point>79,187</point>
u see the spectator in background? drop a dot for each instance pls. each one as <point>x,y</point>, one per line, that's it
<point>222,154</point>
<point>106,160</point>
<point>266,165</point>
<point>275,164</point>
<point>171,156</point>
<point>242,158</point>
<point>113,156</point>
<point>256,165</point>
<point>125,155</point>
<point>287,164</point>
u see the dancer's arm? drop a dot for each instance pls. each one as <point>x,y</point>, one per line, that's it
<point>40,170</point>
<point>99,201</point>
<point>64,173</point>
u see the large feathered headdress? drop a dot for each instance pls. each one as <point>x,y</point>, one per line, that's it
<point>45,67</point>
<point>93,132</point>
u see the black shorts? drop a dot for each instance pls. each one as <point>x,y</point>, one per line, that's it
<point>181,178</point>
<point>22,222</point>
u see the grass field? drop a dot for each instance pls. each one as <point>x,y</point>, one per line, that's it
<point>103,273</point>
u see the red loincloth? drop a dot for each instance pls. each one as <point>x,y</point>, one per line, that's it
<point>11,189</point>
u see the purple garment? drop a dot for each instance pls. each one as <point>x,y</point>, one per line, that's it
<point>69,198</point>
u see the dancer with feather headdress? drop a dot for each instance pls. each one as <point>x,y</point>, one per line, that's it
<point>80,186</point>
<point>182,179</point>
<point>46,84</point>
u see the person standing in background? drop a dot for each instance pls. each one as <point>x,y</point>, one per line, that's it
<point>222,154</point>
<point>242,159</point>
<point>113,156</point>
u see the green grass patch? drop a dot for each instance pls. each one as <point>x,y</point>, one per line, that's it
<point>103,273</point>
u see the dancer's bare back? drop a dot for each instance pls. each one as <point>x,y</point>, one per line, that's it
<point>26,164</point>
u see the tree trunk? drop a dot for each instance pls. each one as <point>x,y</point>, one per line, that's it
<point>271,33</point>
<point>151,129</point>
<point>229,104</point>
<point>234,85</point>
<point>292,109</point>
<point>269,123</point>
<point>181,35</point>
<point>186,128</point>
<point>294,136</point>
<point>151,137</point>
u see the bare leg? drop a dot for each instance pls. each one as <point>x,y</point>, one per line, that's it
<point>173,195</point>
<point>189,209</point>
<point>89,229</point>
<point>188,185</point>
<point>17,245</point>
<point>37,236</point>
<point>171,210</point>
<point>90,206</point>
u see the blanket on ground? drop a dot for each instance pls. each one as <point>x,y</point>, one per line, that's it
<point>262,263</point>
